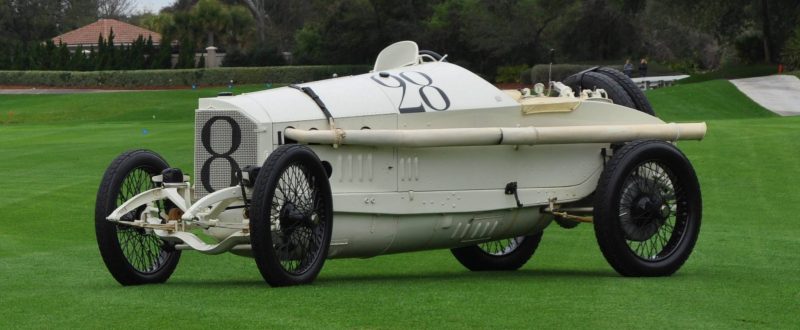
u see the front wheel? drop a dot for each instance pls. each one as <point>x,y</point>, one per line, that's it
<point>291,216</point>
<point>504,254</point>
<point>132,255</point>
<point>647,209</point>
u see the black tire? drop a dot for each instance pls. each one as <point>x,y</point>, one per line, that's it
<point>133,255</point>
<point>593,80</point>
<point>291,193</point>
<point>640,101</point>
<point>647,209</point>
<point>505,254</point>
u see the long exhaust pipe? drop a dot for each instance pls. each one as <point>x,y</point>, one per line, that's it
<point>486,136</point>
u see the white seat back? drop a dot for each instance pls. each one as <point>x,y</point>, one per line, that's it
<point>397,55</point>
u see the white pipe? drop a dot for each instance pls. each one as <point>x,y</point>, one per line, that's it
<point>484,136</point>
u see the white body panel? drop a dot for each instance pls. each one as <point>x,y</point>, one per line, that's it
<point>393,199</point>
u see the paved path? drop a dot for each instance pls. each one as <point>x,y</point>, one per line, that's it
<point>35,91</point>
<point>779,93</point>
<point>646,83</point>
<point>659,78</point>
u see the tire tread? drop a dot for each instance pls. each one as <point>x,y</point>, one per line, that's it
<point>591,80</point>
<point>637,96</point>
<point>475,259</point>
<point>609,240</point>
<point>270,268</point>
<point>105,231</point>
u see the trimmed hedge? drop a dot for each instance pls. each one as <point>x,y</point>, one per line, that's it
<point>513,74</point>
<point>177,78</point>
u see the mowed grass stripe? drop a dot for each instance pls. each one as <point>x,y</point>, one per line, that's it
<point>713,100</point>
<point>742,272</point>
<point>166,105</point>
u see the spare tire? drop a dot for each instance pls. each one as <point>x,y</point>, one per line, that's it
<point>636,94</point>
<point>595,80</point>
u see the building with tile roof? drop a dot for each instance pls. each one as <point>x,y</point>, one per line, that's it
<point>124,34</point>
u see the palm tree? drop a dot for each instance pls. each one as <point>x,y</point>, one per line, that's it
<point>211,17</point>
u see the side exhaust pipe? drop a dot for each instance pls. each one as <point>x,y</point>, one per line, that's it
<point>486,136</point>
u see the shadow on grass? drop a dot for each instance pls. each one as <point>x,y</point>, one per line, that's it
<point>466,275</point>
<point>327,280</point>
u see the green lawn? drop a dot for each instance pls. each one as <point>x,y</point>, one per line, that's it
<point>743,272</point>
<point>733,72</point>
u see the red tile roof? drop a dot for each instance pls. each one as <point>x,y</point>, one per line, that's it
<point>124,33</point>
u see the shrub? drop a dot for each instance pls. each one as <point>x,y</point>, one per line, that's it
<point>175,78</point>
<point>258,56</point>
<point>512,74</point>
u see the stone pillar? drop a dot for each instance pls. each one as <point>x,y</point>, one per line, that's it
<point>211,57</point>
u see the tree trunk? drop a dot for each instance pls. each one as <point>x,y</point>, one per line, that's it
<point>767,33</point>
<point>260,17</point>
<point>536,36</point>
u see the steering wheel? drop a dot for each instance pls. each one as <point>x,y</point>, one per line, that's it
<point>433,55</point>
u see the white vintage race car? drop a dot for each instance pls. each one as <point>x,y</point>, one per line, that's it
<point>418,154</point>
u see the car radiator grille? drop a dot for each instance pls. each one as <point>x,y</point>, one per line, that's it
<point>224,142</point>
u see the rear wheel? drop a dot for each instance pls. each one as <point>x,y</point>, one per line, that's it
<point>132,255</point>
<point>291,216</point>
<point>647,209</point>
<point>504,254</point>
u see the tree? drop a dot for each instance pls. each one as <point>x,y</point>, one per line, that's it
<point>241,29</point>
<point>342,33</point>
<point>163,59</point>
<point>484,35</point>
<point>163,23</point>
<point>34,20</point>
<point>278,20</point>
<point>62,61</point>
<point>77,60</point>
<point>149,53</point>
<point>101,58</point>
<point>211,17</point>
<point>115,8</point>
<point>256,8</point>
<point>111,51</point>
<point>728,20</point>
<point>186,54</point>
<point>224,26</point>
<point>791,51</point>
<point>77,13</point>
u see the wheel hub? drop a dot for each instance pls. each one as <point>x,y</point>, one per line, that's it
<point>648,213</point>
<point>291,216</point>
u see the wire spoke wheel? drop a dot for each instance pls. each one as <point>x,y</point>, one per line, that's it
<point>503,254</point>
<point>295,217</point>
<point>292,216</point>
<point>647,209</point>
<point>145,251</point>
<point>649,212</point>
<point>133,255</point>
<point>502,247</point>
